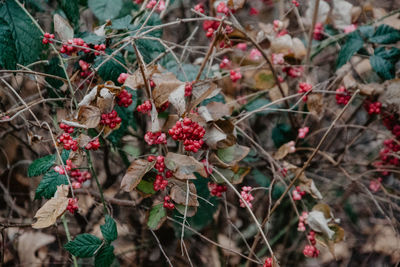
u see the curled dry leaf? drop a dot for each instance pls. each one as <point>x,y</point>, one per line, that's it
<point>135,173</point>
<point>105,100</point>
<point>28,244</point>
<point>317,221</point>
<point>136,79</point>
<point>166,83</point>
<point>180,195</point>
<point>155,124</point>
<point>89,116</point>
<point>190,210</point>
<point>183,165</point>
<point>177,99</point>
<point>236,4</point>
<point>203,91</point>
<point>62,28</point>
<point>323,11</point>
<point>288,46</point>
<point>233,154</point>
<point>214,111</point>
<point>213,136</point>
<point>341,14</point>
<point>87,99</point>
<point>83,140</point>
<point>315,104</point>
<point>48,214</point>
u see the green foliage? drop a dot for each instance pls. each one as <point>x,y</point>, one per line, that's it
<point>105,9</point>
<point>41,165</point>
<point>157,214</point>
<point>385,34</point>
<point>84,245</point>
<point>54,68</point>
<point>109,229</point>
<point>383,67</point>
<point>122,23</point>
<point>146,187</point>
<point>48,184</point>
<point>258,103</point>
<point>71,10</point>
<point>260,178</point>
<point>110,70</point>
<point>91,38</point>
<point>104,257</point>
<point>23,37</point>
<point>281,134</point>
<point>353,43</point>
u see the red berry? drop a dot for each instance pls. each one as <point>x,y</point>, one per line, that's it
<point>124,99</point>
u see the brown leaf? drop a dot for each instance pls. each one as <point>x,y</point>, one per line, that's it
<point>177,99</point>
<point>62,28</point>
<point>275,93</point>
<point>180,195</point>
<point>233,154</point>
<point>89,116</point>
<point>48,214</point>
<point>236,4</point>
<point>28,244</point>
<point>203,91</point>
<point>315,104</point>
<point>282,152</point>
<point>214,111</point>
<point>190,210</point>
<point>105,100</point>
<point>170,122</point>
<point>166,83</point>
<point>135,173</point>
<point>87,99</point>
<point>183,165</point>
<point>136,79</point>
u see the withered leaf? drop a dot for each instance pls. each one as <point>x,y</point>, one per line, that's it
<point>48,214</point>
<point>62,28</point>
<point>184,165</point>
<point>135,173</point>
<point>136,79</point>
<point>190,210</point>
<point>180,195</point>
<point>233,154</point>
<point>177,99</point>
<point>315,104</point>
<point>214,111</point>
<point>89,116</point>
<point>166,83</point>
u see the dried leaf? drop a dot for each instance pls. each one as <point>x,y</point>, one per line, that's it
<point>182,164</point>
<point>203,91</point>
<point>213,136</point>
<point>341,14</point>
<point>315,104</point>
<point>275,93</point>
<point>135,173</point>
<point>89,116</point>
<point>317,221</point>
<point>214,111</point>
<point>105,100</point>
<point>190,210</point>
<point>180,195</point>
<point>48,214</point>
<point>155,124</point>
<point>236,4</point>
<point>28,244</point>
<point>323,11</point>
<point>166,83</point>
<point>89,97</point>
<point>282,152</point>
<point>177,99</point>
<point>233,154</point>
<point>62,28</point>
<point>136,79</point>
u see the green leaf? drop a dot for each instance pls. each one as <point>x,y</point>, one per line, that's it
<point>157,216</point>
<point>54,68</point>
<point>109,229</point>
<point>111,70</point>
<point>48,184</point>
<point>353,43</point>
<point>385,34</point>
<point>92,38</point>
<point>121,23</point>
<point>8,56</point>
<point>84,245</point>
<point>260,178</point>
<point>281,134</point>
<point>25,35</point>
<point>71,9</point>
<point>383,67</point>
<point>105,257</point>
<point>146,187</point>
<point>65,155</point>
<point>258,103</point>
<point>105,9</point>
<point>366,31</point>
<point>41,165</point>
<point>392,54</point>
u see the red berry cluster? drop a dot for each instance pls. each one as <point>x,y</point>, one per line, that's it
<point>294,2</point>
<point>47,37</point>
<point>152,84</point>
<point>268,262</point>
<point>144,108</point>
<point>235,75</point>
<point>85,68</point>
<point>318,31</point>
<point>70,46</point>
<point>373,107</point>
<point>110,119</point>
<point>155,138</point>
<point>311,237</point>
<point>297,194</point>
<point>188,89</point>
<point>302,222</point>
<point>391,147</point>
<point>190,132</point>
<point>72,205</point>
<point>160,183</point>
<point>199,8</point>
<point>160,165</point>
<point>310,251</point>
<point>75,174</point>
<point>223,8</point>
<point>217,189</point>
<point>167,203</point>
<point>304,88</point>
<point>163,107</point>
<point>210,26</point>
<point>294,72</point>
<point>122,78</point>
<point>124,99</point>
<point>343,96</point>
<point>68,142</point>
<point>93,145</point>
<point>225,63</point>
<point>247,196</point>
<point>100,48</point>
<point>66,128</point>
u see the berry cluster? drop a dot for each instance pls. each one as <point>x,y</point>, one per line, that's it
<point>199,8</point>
<point>67,129</point>
<point>247,196</point>
<point>225,63</point>
<point>188,89</point>
<point>85,68</point>
<point>168,204</point>
<point>122,78</point>
<point>242,46</point>
<point>373,107</point>
<point>47,37</point>
<point>93,145</point>
<point>72,205</point>
<point>303,132</point>
<point>190,132</point>
<point>297,194</point>
<point>160,183</point>
<point>163,107</point>
<point>217,189</point>
<point>100,48</point>
<point>302,222</point>
<point>210,26</point>
<point>71,46</point>
<point>144,108</point>
<point>304,88</point>
<point>343,96</point>
<point>311,238</point>
<point>391,147</point>
<point>278,59</point>
<point>235,75</point>
<point>277,25</point>
<point>375,185</point>
<point>255,54</point>
<point>268,262</point>
<point>294,72</point>
<point>310,251</point>
<point>253,11</point>
<point>155,138</point>
<point>110,119</point>
<point>294,2</point>
<point>75,174</point>
<point>152,3</point>
<point>68,142</point>
<point>318,31</point>
<point>223,8</point>
<point>124,99</point>
<point>160,165</point>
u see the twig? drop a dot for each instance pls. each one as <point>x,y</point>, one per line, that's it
<point>161,248</point>
<point>65,224</point>
<point>311,32</point>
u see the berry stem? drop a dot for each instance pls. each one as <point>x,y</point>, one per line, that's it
<point>65,224</point>
<point>97,181</point>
